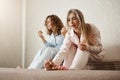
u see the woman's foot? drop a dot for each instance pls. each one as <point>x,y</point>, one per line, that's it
<point>49,65</point>
<point>59,68</point>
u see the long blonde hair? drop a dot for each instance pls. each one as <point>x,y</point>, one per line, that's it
<point>84,28</point>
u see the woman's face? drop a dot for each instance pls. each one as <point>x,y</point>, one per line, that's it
<point>73,21</point>
<point>49,24</point>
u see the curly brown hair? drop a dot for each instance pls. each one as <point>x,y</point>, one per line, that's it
<point>56,21</point>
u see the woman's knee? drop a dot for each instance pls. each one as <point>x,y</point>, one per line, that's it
<point>82,51</point>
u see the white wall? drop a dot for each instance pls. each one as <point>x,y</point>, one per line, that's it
<point>105,14</point>
<point>10,33</point>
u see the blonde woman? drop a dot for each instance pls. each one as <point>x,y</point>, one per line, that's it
<point>82,43</point>
<point>52,44</point>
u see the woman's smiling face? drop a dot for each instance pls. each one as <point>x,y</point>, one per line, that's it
<point>49,24</point>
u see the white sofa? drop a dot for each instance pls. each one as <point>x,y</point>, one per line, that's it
<point>37,74</point>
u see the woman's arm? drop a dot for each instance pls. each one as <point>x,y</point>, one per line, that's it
<point>46,43</point>
<point>41,36</point>
<point>63,50</point>
<point>64,31</point>
<point>96,40</point>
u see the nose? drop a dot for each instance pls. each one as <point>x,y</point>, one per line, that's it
<point>49,24</point>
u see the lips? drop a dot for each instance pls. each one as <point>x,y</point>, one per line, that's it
<point>72,25</point>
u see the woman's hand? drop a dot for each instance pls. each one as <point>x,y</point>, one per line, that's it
<point>63,31</point>
<point>40,34</point>
<point>49,65</point>
<point>82,46</point>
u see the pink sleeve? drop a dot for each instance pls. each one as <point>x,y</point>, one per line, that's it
<point>96,39</point>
